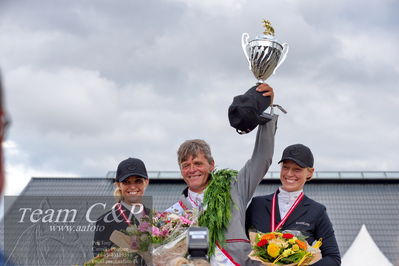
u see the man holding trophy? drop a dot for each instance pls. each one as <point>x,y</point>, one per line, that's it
<point>196,165</point>
<point>223,195</point>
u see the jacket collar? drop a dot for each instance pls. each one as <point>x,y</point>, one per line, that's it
<point>300,210</point>
<point>185,192</point>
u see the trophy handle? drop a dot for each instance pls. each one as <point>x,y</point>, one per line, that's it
<point>244,44</point>
<point>283,56</point>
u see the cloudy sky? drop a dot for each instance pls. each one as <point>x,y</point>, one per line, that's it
<point>91,82</point>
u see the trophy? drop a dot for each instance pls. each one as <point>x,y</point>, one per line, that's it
<point>264,53</point>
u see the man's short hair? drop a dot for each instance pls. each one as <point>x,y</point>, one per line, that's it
<point>193,148</point>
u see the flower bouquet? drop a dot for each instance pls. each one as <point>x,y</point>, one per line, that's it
<point>286,248</point>
<point>158,239</point>
<point>166,233</point>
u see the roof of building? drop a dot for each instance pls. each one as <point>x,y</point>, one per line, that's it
<point>325,175</point>
<point>370,198</point>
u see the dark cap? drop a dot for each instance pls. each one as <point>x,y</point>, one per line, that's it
<point>246,109</point>
<point>300,154</point>
<point>130,167</point>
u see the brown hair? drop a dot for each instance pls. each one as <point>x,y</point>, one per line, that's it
<point>192,148</point>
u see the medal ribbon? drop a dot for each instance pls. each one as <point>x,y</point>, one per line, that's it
<point>192,201</point>
<point>119,208</point>
<point>273,216</point>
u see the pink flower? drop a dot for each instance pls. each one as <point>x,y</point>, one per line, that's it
<point>165,232</point>
<point>162,214</point>
<point>144,227</point>
<point>156,231</point>
<point>184,220</point>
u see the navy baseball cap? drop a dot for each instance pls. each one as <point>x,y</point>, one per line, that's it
<point>300,154</point>
<point>246,110</point>
<point>130,167</point>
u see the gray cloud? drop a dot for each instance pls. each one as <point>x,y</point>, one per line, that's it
<point>91,83</point>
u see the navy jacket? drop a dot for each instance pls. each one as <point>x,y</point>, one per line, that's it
<point>104,230</point>
<point>309,217</point>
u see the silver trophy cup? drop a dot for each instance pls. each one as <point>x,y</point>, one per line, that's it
<point>264,54</point>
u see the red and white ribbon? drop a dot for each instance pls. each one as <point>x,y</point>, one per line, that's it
<point>222,257</point>
<point>273,226</point>
<point>193,202</point>
<point>119,208</point>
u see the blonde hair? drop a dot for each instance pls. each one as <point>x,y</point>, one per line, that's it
<point>310,169</point>
<point>118,192</point>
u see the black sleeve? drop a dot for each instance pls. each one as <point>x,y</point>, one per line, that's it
<point>329,248</point>
<point>101,238</point>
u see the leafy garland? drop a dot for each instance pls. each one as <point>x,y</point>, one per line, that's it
<point>218,202</point>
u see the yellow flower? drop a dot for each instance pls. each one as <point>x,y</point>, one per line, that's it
<point>295,247</point>
<point>291,241</point>
<point>273,250</point>
<point>288,252</point>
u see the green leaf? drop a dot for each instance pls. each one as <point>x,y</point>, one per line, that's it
<point>217,199</point>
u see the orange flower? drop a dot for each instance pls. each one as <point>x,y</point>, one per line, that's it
<point>301,244</point>
<point>268,237</point>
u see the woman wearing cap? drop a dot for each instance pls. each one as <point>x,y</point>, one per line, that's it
<point>131,182</point>
<point>292,209</point>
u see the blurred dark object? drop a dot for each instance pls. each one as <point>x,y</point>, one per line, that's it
<point>198,242</point>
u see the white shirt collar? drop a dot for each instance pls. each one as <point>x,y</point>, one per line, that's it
<point>195,198</point>
<point>289,195</point>
<point>286,200</point>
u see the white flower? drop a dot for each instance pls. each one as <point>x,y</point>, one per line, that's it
<point>131,228</point>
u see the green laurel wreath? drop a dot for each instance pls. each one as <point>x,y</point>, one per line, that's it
<point>218,202</point>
